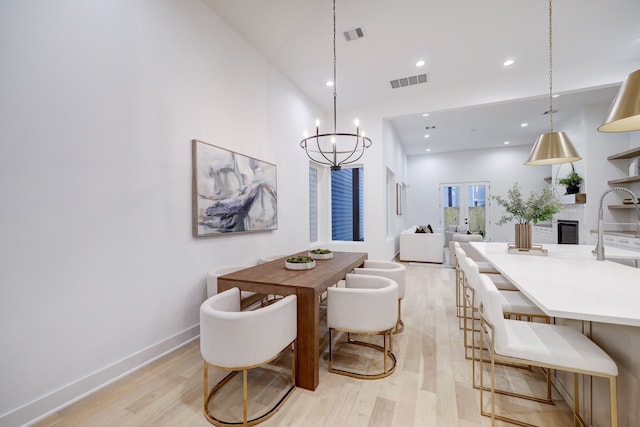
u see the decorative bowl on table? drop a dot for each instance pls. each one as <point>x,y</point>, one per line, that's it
<point>299,263</point>
<point>321,254</point>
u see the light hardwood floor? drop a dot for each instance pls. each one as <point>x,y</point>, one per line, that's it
<point>431,387</point>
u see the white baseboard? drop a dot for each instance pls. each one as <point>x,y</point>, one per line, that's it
<point>58,399</point>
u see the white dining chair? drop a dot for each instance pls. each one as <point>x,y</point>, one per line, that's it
<point>266,333</point>
<point>270,258</point>
<point>543,345</point>
<point>366,305</point>
<point>249,299</point>
<point>394,271</point>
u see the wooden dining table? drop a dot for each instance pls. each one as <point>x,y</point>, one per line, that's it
<point>308,285</point>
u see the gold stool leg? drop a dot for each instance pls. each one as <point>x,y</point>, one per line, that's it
<point>613,395</point>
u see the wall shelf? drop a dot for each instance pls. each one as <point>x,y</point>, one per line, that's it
<point>629,154</point>
<point>629,206</point>
<point>628,180</point>
<point>571,199</point>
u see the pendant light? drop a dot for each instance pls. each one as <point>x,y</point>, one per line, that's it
<point>624,112</point>
<point>552,147</point>
<point>337,148</point>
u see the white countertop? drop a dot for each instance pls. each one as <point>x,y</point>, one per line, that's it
<point>570,283</point>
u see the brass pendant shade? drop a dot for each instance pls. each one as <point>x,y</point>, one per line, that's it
<point>624,112</point>
<point>552,148</point>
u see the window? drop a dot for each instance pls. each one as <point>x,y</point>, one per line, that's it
<point>347,204</point>
<point>313,204</point>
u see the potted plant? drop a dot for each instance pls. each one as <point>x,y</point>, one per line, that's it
<point>572,181</point>
<point>321,254</point>
<point>537,207</point>
<point>300,262</point>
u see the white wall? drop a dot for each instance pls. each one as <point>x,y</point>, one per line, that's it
<point>100,101</point>
<point>395,161</point>
<point>500,167</point>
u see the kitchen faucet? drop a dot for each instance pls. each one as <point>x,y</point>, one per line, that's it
<point>599,249</point>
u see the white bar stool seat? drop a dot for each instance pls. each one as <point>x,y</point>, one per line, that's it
<point>544,345</point>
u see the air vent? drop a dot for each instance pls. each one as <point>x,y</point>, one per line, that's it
<point>353,34</point>
<point>408,81</point>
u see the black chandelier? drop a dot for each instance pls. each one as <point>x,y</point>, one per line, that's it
<point>337,148</point>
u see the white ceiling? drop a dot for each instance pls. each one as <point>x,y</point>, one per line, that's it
<point>469,95</point>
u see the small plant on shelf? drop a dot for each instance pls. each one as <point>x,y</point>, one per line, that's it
<point>572,181</point>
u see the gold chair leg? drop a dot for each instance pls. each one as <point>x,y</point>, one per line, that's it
<point>245,402</point>
<point>209,394</point>
<point>389,359</point>
<point>384,353</point>
<point>206,385</point>
<point>399,324</point>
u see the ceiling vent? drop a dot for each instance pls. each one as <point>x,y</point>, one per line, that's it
<point>354,34</point>
<point>408,81</point>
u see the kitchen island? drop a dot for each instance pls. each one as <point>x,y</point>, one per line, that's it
<point>599,298</point>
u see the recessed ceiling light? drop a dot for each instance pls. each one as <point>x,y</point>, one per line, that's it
<point>427,136</point>
<point>428,149</point>
<point>507,142</point>
<point>329,83</point>
<point>508,62</point>
<point>524,125</point>
<point>425,115</point>
<point>420,63</point>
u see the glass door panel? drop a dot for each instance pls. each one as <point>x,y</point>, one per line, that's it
<point>450,205</point>
<point>465,204</point>
<point>476,208</point>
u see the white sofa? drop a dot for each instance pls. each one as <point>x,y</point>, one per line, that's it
<point>422,247</point>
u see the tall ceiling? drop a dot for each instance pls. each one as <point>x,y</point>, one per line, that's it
<point>473,100</point>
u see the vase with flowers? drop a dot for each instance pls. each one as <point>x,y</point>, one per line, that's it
<point>536,207</point>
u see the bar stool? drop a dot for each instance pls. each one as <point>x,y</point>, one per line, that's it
<point>543,345</point>
<point>514,304</point>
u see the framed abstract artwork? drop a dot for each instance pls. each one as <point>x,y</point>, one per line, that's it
<point>232,193</point>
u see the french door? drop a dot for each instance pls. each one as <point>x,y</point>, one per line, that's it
<point>465,204</point>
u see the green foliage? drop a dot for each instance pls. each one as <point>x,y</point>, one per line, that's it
<point>321,251</point>
<point>537,207</point>
<point>299,259</point>
<point>571,180</point>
